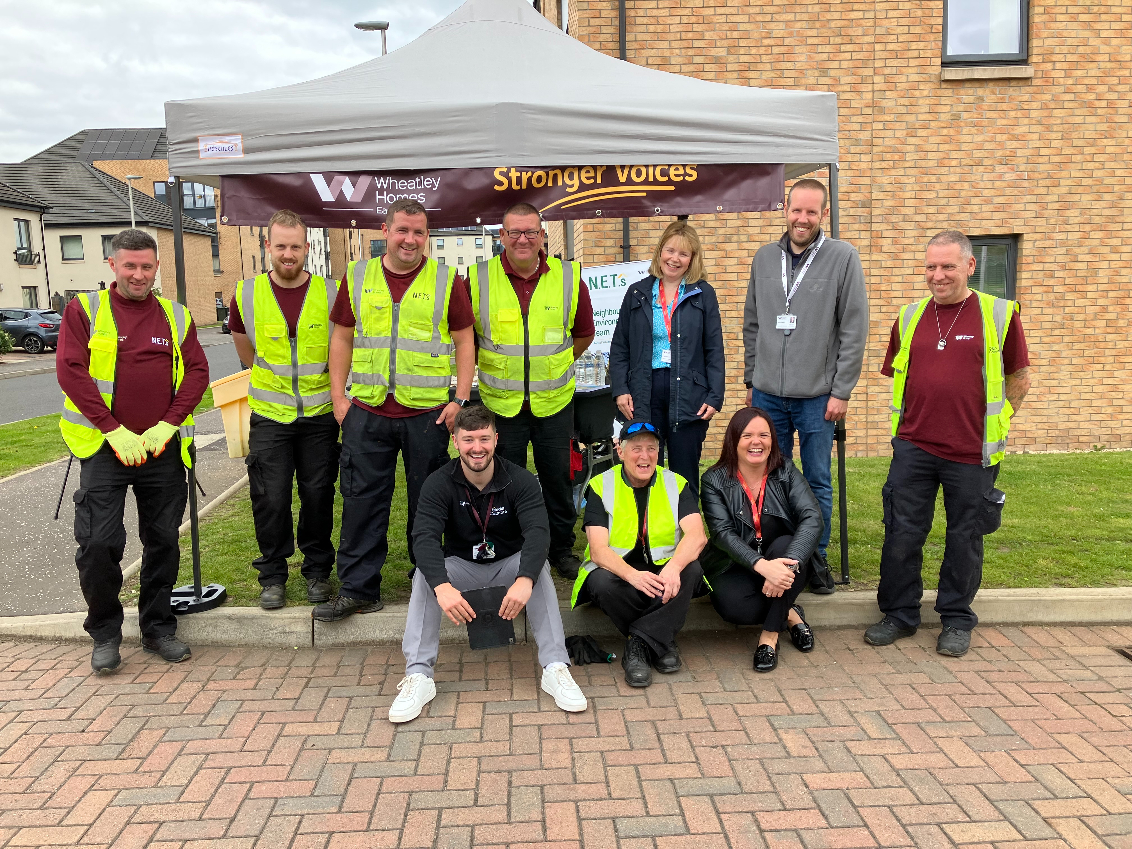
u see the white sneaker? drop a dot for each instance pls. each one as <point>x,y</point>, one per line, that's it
<point>558,683</point>
<point>413,693</point>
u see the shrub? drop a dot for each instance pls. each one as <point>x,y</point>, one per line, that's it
<point>6,343</point>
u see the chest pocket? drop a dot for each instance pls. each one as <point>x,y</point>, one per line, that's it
<point>510,323</point>
<point>102,343</point>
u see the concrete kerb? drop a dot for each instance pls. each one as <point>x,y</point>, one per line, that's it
<point>293,627</point>
<point>28,372</point>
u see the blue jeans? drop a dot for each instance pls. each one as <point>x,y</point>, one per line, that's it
<point>807,416</point>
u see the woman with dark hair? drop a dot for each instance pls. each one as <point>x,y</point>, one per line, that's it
<point>764,523</point>
<point>666,360</point>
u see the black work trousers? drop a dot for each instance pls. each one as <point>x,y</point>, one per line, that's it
<point>914,478</point>
<point>369,473</point>
<point>549,438</point>
<point>681,444</point>
<point>305,449</point>
<point>100,502</point>
<point>737,594</point>
<point>634,613</point>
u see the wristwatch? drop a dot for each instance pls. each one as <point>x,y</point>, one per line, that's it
<point>463,402</point>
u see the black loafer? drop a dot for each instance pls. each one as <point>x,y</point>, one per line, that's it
<point>766,659</point>
<point>801,635</point>
<point>638,671</point>
<point>668,662</point>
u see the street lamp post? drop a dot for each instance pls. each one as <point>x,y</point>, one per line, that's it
<point>130,182</point>
<point>372,26</point>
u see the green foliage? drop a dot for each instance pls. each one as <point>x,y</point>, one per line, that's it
<point>7,343</point>
<point>29,443</point>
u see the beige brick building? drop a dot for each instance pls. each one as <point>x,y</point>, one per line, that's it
<point>1034,149</point>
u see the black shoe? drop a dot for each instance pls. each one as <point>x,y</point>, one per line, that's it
<point>801,635</point>
<point>953,642</point>
<point>169,648</point>
<point>567,566</point>
<point>821,579</point>
<point>273,597</point>
<point>106,658</point>
<point>318,590</point>
<point>638,671</point>
<point>340,607</point>
<point>766,659</point>
<point>668,662</point>
<point>886,632</point>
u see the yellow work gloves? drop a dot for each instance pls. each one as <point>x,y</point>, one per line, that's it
<point>155,439</point>
<point>127,445</point>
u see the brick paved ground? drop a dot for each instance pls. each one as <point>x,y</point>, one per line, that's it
<point>1027,741</point>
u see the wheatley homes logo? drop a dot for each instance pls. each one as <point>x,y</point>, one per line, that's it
<point>386,189</point>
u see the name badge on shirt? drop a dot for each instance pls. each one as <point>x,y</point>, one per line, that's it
<point>787,321</point>
<point>666,356</point>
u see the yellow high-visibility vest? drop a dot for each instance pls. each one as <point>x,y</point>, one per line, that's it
<point>290,376</point>
<point>405,346</point>
<point>525,357</point>
<point>620,504</point>
<point>996,314</point>
<point>82,437</point>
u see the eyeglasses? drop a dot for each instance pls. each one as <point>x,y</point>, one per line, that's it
<point>518,234</point>
<point>637,427</point>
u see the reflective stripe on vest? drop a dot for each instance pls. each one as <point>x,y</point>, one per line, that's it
<point>620,504</point>
<point>406,346</point>
<point>525,356</point>
<point>290,376</point>
<point>82,437</point>
<point>995,313</point>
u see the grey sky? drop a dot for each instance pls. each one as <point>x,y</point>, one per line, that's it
<point>66,65</point>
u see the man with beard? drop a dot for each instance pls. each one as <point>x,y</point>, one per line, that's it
<point>481,522</point>
<point>805,343</point>
<point>280,323</point>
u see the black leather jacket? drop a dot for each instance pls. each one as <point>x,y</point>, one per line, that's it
<point>788,497</point>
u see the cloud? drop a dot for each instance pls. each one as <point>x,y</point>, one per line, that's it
<point>66,65</point>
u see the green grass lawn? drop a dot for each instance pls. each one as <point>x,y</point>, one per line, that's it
<point>1067,523</point>
<point>34,442</point>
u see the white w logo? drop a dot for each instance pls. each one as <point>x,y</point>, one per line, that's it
<point>329,193</point>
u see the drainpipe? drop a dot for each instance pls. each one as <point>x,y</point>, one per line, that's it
<point>43,244</point>
<point>621,27</point>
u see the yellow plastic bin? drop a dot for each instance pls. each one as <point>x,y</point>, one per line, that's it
<point>230,394</point>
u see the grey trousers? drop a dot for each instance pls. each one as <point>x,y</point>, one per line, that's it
<point>421,643</point>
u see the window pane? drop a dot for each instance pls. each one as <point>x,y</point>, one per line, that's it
<point>23,234</point>
<point>106,249</point>
<point>71,246</point>
<point>440,243</point>
<point>209,196</point>
<point>31,297</point>
<point>990,270</point>
<point>459,242</point>
<point>376,248</point>
<point>159,191</point>
<point>459,260</point>
<point>479,242</point>
<point>983,27</point>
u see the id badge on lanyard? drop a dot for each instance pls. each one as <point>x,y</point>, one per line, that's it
<point>666,310</point>
<point>482,550</point>
<point>788,322</point>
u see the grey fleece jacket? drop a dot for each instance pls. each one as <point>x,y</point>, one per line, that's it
<point>824,353</point>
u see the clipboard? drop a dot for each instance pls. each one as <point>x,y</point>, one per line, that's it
<point>488,630</point>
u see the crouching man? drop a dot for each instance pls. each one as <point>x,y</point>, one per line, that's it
<point>495,531</point>
<point>645,533</point>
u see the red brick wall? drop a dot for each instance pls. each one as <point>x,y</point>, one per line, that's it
<point>1044,158</point>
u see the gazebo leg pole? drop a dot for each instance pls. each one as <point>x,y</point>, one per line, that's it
<point>839,430</point>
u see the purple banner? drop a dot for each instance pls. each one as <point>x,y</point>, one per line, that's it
<point>459,197</point>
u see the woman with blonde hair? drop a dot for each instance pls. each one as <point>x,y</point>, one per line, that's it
<point>666,359</point>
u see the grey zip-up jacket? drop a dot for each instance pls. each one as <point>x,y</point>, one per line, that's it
<point>824,353</point>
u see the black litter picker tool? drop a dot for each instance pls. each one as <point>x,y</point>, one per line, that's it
<point>196,599</point>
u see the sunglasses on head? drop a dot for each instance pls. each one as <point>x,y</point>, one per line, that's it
<point>637,427</point>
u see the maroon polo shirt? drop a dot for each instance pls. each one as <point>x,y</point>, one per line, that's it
<point>944,398</point>
<point>143,384</point>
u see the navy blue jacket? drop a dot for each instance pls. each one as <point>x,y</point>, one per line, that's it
<point>698,370</point>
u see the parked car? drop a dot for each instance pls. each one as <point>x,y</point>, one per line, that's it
<point>32,330</point>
